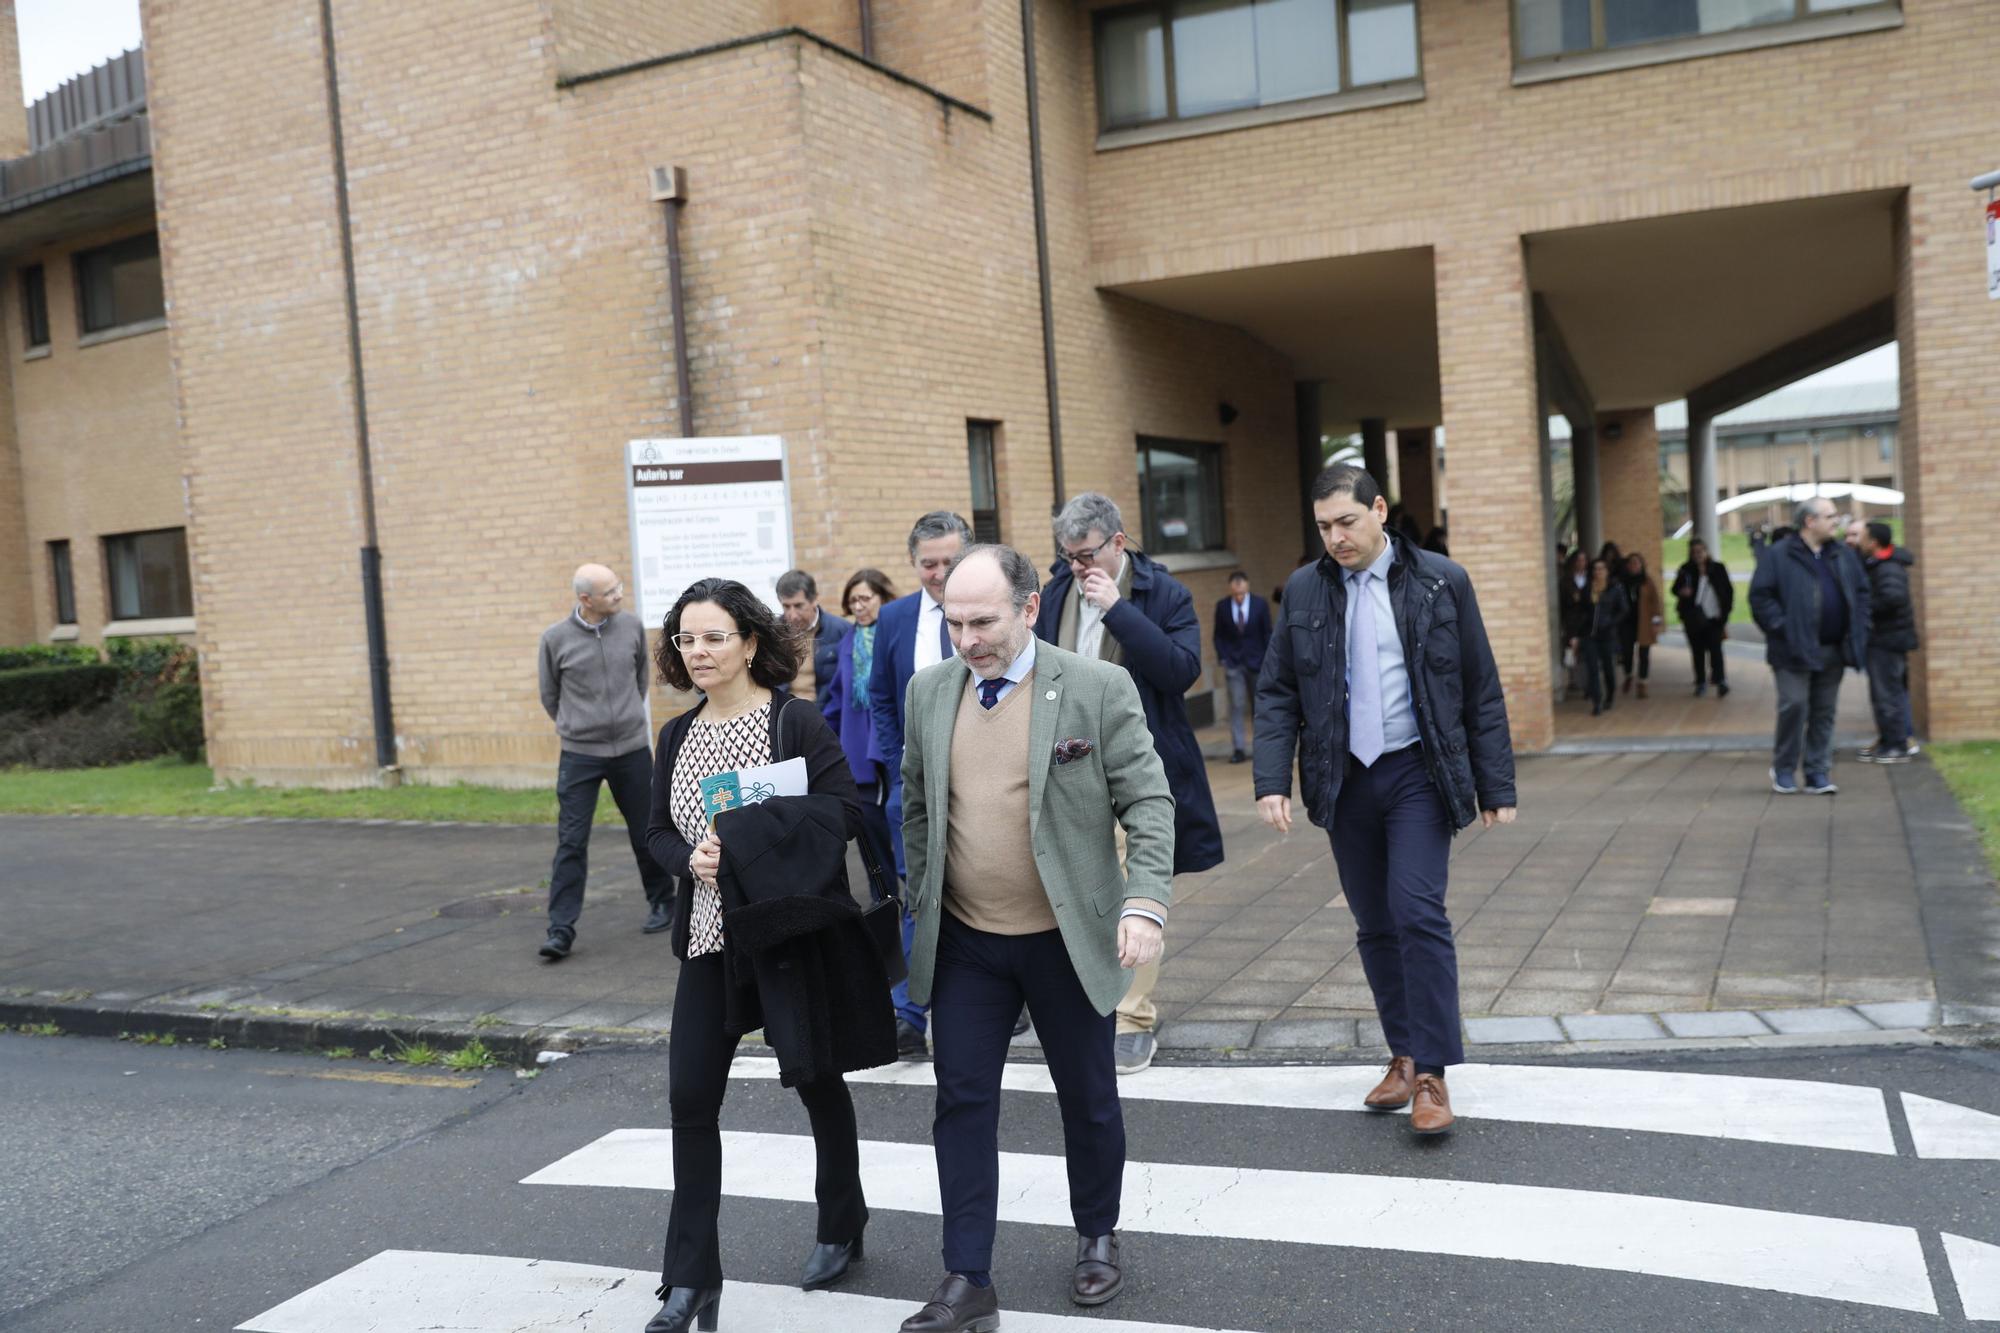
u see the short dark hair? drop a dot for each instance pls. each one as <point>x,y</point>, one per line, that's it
<point>1236,574</point>
<point>1346,479</point>
<point>1019,571</point>
<point>795,581</point>
<point>1882,534</point>
<point>875,579</point>
<point>777,659</point>
<point>940,523</point>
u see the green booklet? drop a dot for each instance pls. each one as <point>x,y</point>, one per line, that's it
<point>751,786</point>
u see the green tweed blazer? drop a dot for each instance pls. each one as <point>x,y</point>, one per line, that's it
<point>1074,809</point>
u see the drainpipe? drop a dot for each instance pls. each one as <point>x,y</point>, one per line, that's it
<point>670,190</point>
<point>1042,253</point>
<point>867,31</point>
<point>371,552</point>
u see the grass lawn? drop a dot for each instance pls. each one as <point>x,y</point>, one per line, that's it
<point>170,787</point>
<point>1972,768</point>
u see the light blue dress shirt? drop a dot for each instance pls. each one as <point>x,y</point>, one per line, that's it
<point>1399,718</point>
<point>1017,670</point>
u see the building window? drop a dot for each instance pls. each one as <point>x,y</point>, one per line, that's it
<point>1180,496</point>
<point>64,583</point>
<point>983,455</point>
<point>1178,59</point>
<point>148,575</point>
<point>1549,29</point>
<point>35,306</point>
<point>119,284</point>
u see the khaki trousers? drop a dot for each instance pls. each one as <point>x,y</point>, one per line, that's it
<point>1136,1012</point>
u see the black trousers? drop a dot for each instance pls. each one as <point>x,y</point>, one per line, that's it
<point>1391,840</point>
<point>981,981</point>
<point>875,834</point>
<point>1706,646</point>
<point>1600,670</point>
<point>631,779</point>
<point>698,1056</point>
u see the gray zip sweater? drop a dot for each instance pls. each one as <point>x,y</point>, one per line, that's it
<point>594,684</point>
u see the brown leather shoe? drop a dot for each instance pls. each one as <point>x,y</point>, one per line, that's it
<point>1430,1111</point>
<point>1098,1277</point>
<point>957,1307</point>
<point>1398,1082</point>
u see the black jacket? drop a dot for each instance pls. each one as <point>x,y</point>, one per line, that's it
<point>1687,584</point>
<point>1785,597</point>
<point>1454,687</point>
<point>1603,616</point>
<point>826,651</point>
<point>1892,619</point>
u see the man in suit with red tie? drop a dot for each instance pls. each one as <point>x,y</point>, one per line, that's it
<point>1242,631</point>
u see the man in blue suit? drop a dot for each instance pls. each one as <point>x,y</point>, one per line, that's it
<point>911,635</point>
<point>1106,599</point>
<point>1242,632</point>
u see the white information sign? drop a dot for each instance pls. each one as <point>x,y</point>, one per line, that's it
<point>706,508</point>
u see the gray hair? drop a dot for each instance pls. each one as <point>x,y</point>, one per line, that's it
<point>1805,509</point>
<point>939,523</point>
<point>1086,512</point>
<point>794,582</point>
<point>1022,580</point>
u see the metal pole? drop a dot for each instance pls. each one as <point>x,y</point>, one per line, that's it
<point>683,392</point>
<point>1042,253</point>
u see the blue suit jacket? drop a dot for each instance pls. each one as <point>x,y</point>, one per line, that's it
<point>1244,648</point>
<point>895,663</point>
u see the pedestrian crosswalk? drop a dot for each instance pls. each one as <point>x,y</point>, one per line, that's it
<point>1467,1207</point>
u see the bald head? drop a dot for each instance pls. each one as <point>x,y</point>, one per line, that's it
<point>990,600</point>
<point>599,593</point>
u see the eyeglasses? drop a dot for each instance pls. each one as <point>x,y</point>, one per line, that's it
<point>1086,556</point>
<point>712,640</point>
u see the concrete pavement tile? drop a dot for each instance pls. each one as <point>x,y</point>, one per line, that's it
<point>1297,1033</point>
<point>1610,1027</point>
<point>1510,1031</point>
<point>1267,968</point>
<point>1900,1013</point>
<point>1278,993</point>
<point>1721,1023</point>
<point>1859,990</point>
<point>1802,1021</point>
<point>1200,968</point>
<point>1197,1034</point>
<point>602,1015</point>
<point>1527,1000</point>
<point>1794,985</point>
<point>1230,1013</point>
<point>1970,1015</point>
<point>655,1020</point>
<point>1673,982</point>
<point>1561,978</point>
<point>1368,1032</point>
<point>1340,995</point>
<point>536,1013</point>
<point>1643,1002</point>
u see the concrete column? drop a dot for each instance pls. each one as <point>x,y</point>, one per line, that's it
<point>1486,370</point>
<point>1583,474</point>
<point>1628,482</point>
<point>1375,448</point>
<point>1702,482</point>
<point>1416,464</point>
<point>1305,403</point>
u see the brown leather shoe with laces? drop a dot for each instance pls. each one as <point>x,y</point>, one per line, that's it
<point>1394,1091</point>
<point>1430,1109</point>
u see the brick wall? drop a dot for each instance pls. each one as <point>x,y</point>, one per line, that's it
<point>1628,484</point>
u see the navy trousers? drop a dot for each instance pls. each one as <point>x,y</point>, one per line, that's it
<point>980,983</point>
<point>1392,842</point>
<point>630,776</point>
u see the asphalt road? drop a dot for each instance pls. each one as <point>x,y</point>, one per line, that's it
<point>150,1188</point>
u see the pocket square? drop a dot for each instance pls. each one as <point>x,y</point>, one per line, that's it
<point>1076,747</point>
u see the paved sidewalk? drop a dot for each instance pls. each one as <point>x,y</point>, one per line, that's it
<point>1641,895</point>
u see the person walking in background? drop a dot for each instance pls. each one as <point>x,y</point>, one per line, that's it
<point>1810,597</point>
<point>1640,629</point>
<point>1703,595</point>
<point>592,665</point>
<point>1242,631</point>
<point>1572,585</point>
<point>847,709</point>
<point>909,636</point>
<point>1599,613</point>
<point>1892,637</point>
<point>1106,599</point>
<point>820,634</point>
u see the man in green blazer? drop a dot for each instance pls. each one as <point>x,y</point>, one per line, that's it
<point>1022,764</point>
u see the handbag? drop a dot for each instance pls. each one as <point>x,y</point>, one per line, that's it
<point>883,921</point>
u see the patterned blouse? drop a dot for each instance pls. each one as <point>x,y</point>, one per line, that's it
<point>710,748</point>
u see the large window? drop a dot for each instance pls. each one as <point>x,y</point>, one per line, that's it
<point>34,306</point>
<point>64,583</point>
<point>1180,496</point>
<point>982,455</point>
<point>148,575</point>
<point>1545,29</point>
<point>1178,59</point>
<point>119,284</point>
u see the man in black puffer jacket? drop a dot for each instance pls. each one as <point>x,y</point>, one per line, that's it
<point>1892,637</point>
<point>1394,757</point>
<point>1811,600</point>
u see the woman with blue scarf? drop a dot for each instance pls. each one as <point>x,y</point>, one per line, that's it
<point>845,707</point>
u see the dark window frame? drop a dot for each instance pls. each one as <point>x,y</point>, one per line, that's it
<point>34,285</point>
<point>1599,45</point>
<point>985,518</point>
<point>1165,9</point>
<point>1205,452</point>
<point>183,582</point>
<point>143,246</point>
<point>62,581</point>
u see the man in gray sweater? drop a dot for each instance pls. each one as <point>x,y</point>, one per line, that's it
<point>593,669</point>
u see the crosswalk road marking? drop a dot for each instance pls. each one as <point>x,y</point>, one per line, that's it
<point>410,1291</point>
<point>1947,1131</point>
<point>1835,1258</point>
<point>1975,1268</point>
<point>1798,1112</point>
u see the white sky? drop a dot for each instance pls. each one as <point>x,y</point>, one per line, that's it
<point>62,38</point>
<point>1868,368</point>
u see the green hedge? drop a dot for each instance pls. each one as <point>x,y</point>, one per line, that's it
<point>46,654</point>
<point>45,691</point>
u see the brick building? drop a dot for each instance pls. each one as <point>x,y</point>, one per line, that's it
<point>426,324</point>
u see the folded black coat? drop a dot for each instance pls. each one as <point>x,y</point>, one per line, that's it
<point>801,963</point>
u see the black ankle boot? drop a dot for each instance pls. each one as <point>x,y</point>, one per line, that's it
<point>686,1308</point>
<point>828,1263</point>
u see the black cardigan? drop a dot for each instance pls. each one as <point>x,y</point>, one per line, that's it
<point>797,731</point>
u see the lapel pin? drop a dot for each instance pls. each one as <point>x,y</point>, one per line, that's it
<point>1050,695</point>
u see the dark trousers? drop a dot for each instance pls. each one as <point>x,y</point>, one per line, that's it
<point>1807,701</point>
<point>1600,668</point>
<point>631,779</point>
<point>697,1076</point>
<point>1889,695</point>
<point>980,983</point>
<point>875,835</point>
<point>1630,650</point>
<point>907,1009</point>
<point>1391,841</point>
<point>1706,648</point>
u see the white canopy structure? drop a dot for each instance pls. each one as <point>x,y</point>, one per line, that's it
<point>1803,490</point>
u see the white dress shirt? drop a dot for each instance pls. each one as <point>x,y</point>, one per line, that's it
<point>929,616</point>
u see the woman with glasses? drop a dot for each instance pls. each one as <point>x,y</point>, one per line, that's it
<point>845,705</point>
<point>721,640</point>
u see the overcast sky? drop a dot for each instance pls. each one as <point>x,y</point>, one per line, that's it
<point>62,38</point>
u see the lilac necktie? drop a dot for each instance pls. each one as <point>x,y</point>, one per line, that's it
<point>1364,676</point>
<point>944,638</point>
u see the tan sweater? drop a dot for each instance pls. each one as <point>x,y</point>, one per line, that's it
<point>991,883</point>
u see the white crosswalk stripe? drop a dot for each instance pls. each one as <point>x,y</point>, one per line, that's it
<point>1950,1132</point>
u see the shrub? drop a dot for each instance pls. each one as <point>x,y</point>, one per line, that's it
<point>46,654</point>
<point>170,720</point>
<point>146,662</point>
<point>84,738</point>
<point>44,691</point>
